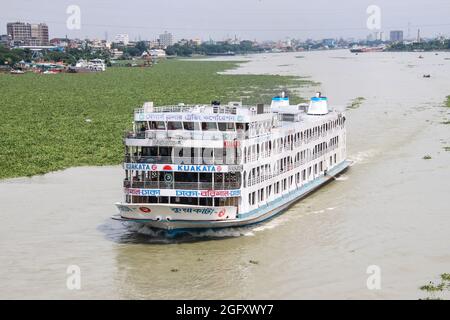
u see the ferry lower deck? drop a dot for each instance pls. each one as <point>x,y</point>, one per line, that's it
<point>259,215</point>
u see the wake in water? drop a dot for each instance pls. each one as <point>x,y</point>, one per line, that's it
<point>361,157</point>
<point>134,232</point>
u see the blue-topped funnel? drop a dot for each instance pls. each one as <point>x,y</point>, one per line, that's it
<point>318,105</point>
<point>280,101</point>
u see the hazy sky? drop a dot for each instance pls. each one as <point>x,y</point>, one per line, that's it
<point>247,19</point>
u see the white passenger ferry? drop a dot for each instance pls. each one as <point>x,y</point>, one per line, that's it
<point>216,166</point>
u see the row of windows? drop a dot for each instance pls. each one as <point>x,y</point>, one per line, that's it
<point>285,184</point>
<point>191,126</point>
<point>289,142</point>
<point>264,172</point>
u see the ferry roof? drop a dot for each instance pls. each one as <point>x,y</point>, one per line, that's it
<point>232,112</point>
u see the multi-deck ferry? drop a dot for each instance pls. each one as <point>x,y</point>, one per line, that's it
<point>216,166</point>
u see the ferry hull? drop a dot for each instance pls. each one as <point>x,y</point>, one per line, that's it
<point>259,215</point>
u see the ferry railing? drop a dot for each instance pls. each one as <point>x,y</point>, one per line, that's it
<point>181,160</point>
<point>187,135</point>
<point>181,185</point>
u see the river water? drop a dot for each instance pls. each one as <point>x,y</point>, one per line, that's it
<point>391,209</point>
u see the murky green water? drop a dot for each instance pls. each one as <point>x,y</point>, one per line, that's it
<point>391,209</point>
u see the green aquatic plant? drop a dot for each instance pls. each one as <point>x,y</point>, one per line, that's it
<point>356,103</point>
<point>435,289</point>
<point>44,125</point>
<point>426,157</point>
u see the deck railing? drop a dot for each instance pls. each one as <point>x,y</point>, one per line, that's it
<point>187,135</point>
<point>181,160</point>
<point>181,185</point>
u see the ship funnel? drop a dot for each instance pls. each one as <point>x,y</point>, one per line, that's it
<point>280,101</point>
<point>318,105</point>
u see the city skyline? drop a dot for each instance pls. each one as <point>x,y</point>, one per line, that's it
<point>255,19</point>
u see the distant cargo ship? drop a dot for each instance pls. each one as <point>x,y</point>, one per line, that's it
<point>367,49</point>
<point>228,53</point>
<point>215,166</point>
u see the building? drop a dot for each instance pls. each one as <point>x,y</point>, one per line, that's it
<point>39,33</point>
<point>28,34</point>
<point>165,39</point>
<point>396,36</point>
<point>376,36</point>
<point>5,40</point>
<point>197,41</point>
<point>329,42</point>
<point>122,38</point>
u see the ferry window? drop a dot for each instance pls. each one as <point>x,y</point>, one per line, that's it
<point>165,151</point>
<point>209,126</point>
<point>226,126</point>
<point>174,125</point>
<point>157,125</point>
<point>191,126</point>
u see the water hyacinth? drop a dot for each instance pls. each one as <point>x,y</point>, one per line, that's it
<point>59,121</point>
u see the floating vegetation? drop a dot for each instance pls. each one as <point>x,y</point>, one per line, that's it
<point>434,289</point>
<point>253,262</point>
<point>299,57</point>
<point>446,122</point>
<point>44,118</point>
<point>446,148</point>
<point>426,157</point>
<point>174,270</point>
<point>356,103</point>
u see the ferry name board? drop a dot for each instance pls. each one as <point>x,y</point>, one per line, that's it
<point>183,193</point>
<point>181,167</point>
<point>174,212</point>
<point>188,117</point>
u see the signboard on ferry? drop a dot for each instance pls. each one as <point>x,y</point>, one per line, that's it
<point>182,167</point>
<point>187,117</point>
<point>183,193</point>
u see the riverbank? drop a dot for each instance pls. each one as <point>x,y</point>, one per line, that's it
<point>52,122</point>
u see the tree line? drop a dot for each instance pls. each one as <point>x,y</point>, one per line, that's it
<point>189,48</point>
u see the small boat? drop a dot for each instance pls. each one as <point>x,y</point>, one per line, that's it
<point>17,71</point>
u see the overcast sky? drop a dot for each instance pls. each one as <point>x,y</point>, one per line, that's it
<point>247,19</point>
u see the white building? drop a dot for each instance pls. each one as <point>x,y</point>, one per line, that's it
<point>165,39</point>
<point>122,38</point>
